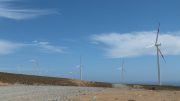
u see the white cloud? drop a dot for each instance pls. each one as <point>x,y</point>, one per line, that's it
<point>7,47</point>
<point>11,12</point>
<point>46,46</point>
<point>136,43</point>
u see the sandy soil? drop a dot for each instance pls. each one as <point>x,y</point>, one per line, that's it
<point>129,94</point>
<point>4,84</point>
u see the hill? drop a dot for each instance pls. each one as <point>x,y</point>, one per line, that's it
<point>12,78</point>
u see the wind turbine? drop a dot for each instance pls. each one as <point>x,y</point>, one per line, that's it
<point>18,68</point>
<point>122,71</point>
<point>36,65</point>
<point>71,74</point>
<point>80,68</point>
<point>157,45</point>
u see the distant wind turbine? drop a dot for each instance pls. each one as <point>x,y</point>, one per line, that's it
<point>71,74</point>
<point>36,66</point>
<point>80,68</point>
<point>19,68</point>
<point>122,71</point>
<point>157,45</point>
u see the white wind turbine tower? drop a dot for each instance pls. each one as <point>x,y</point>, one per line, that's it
<point>36,66</point>
<point>122,71</point>
<point>71,75</point>
<point>19,68</point>
<point>80,68</point>
<point>157,45</point>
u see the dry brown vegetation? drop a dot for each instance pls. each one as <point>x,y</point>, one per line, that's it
<point>10,78</point>
<point>155,87</point>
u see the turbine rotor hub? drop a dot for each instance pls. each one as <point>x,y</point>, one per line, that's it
<point>158,44</point>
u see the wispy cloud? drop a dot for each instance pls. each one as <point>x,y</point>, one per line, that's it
<point>7,47</point>
<point>48,47</point>
<point>11,12</point>
<point>137,43</point>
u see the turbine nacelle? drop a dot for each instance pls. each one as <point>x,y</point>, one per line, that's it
<point>152,45</point>
<point>157,44</point>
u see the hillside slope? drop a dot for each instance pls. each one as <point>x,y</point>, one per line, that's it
<point>42,80</point>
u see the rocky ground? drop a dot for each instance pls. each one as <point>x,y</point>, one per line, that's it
<point>69,93</point>
<point>130,94</point>
<point>42,93</point>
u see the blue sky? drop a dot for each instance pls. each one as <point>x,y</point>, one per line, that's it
<point>55,33</point>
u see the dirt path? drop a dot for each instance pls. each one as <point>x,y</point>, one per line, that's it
<point>127,94</point>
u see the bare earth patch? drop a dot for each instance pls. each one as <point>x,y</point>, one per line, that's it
<point>130,94</point>
<point>3,84</point>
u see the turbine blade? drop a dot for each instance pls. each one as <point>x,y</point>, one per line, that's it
<point>157,34</point>
<point>161,55</point>
<point>150,46</point>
